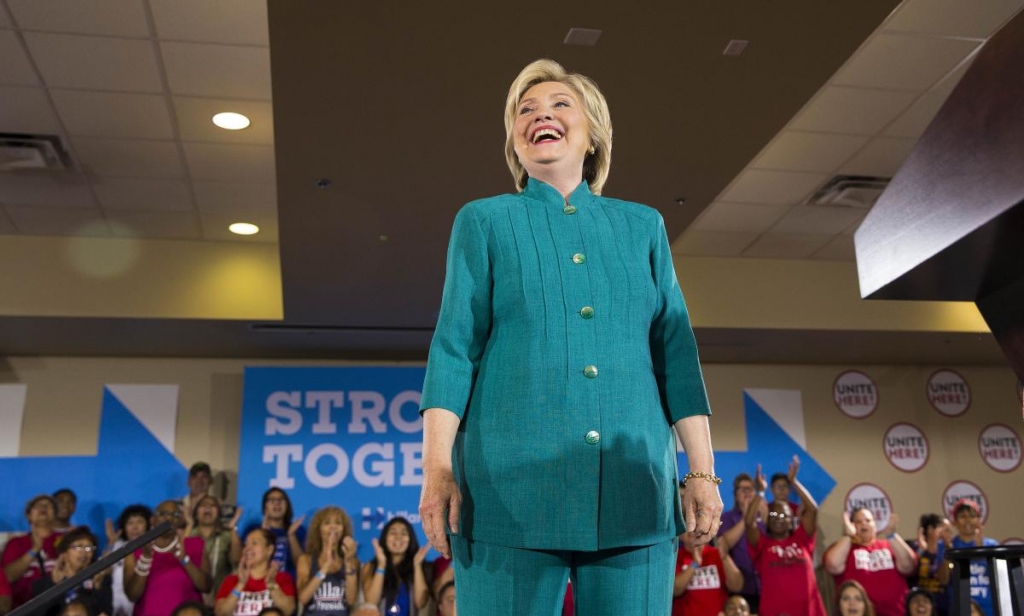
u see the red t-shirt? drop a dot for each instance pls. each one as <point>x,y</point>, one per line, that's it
<point>786,569</point>
<point>874,566</point>
<point>21,588</point>
<point>706,593</point>
<point>255,595</point>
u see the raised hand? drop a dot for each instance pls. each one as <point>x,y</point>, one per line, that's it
<point>266,522</point>
<point>378,552</point>
<point>760,483</point>
<point>275,566</point>
<point>113,534</point>
<point>235,519</point>
<point>296,525</point>
<point>848,526</point>
<point>890,528</point>
<point>243,569</point>
<point>421,555</point>
<point>794,468</point>
<point>348,547</point>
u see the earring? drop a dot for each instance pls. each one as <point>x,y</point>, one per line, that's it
<point>591,150</point>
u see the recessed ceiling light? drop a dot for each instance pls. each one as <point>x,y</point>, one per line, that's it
<point>735,47</point>
<point>586,37</point>
<point>244,228</point>
<point>231,120</point>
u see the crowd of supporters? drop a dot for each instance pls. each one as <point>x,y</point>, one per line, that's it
<point>763,561</point>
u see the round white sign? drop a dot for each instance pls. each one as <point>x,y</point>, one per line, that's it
<point>949,393</point>
<point>964,489</point>
<point>855,394</point>
<point>873,498</point>
<point>999,447</point>
<point>906,447</point>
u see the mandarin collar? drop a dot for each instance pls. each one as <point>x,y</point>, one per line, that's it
<point>546,193</point>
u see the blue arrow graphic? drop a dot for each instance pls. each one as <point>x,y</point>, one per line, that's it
<point>769,445</point>
<point>130,466</point>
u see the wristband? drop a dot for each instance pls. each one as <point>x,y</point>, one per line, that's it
<point>33,554</point>
<point>379,570</point>
<point>320,575</point>
<point>761,494</point>
<point>237,593</point>
<point>184,561</point>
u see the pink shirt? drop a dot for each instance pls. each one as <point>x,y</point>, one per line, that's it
<point>168,584</point>
<point>786,568</point>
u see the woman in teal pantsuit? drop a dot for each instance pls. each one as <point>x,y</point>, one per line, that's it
<point>562,359</point>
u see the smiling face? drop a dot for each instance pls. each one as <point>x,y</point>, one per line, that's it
<point>966,523</point>
<point>397,539</point>
<point>207,510</point>
<point>257,550</point>
<point>169,511</point>
<point>920,605</point>
<point>851,602</point>
<point>780,520</point>
<point>275,506</point>
<point>551,132</point>
<point>864,523</point>
<point>65,506</point>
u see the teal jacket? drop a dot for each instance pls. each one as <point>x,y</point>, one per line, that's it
<point>564,346</point>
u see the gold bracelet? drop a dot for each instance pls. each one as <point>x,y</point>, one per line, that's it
<point>699,475</point>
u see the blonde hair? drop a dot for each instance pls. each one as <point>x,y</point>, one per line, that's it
<point>595,107</point>
<point>314,542</point>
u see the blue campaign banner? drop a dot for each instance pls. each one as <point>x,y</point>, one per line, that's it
<point>350,437</point>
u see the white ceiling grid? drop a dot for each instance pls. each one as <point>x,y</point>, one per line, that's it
<point>865,121</point>
<point>131,85</point>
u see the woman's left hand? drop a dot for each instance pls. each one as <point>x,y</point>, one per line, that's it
<point>296,525</point>
<point>421,555</point>
<point>702,510</point>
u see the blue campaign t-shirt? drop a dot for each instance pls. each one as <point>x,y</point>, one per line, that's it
<point>981,577</point>
<point>282,549</point>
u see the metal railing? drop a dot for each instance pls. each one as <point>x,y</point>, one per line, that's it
<point>36,604</point>
<point>1007,583</point>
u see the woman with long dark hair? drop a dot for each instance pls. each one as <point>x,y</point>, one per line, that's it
<point>394,578</point>
<point>289,535</point>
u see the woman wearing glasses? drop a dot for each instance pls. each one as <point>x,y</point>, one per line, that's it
<point>784,556</point>
<point>168,571</point>
<point>75,552</point>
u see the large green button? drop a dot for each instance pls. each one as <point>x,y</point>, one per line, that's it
<point>579,258</point>
<point>587,312</point>
<point>593,437</point>
<point>569,209</point>
<point>590,372</point>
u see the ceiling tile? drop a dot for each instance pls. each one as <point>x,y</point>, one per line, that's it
<point>882,157</point>
<point>37,190</point>
<point>102,17</point>
<point>95,63</point>
<point>230,163</point>
<point>116,115</point>
<point>739,217</point>
<point>215,227</point>
<point>221,71</point>
<point>155,225</point>
<point>195,120</point>
<point>712,243</point>
<point>26,110</point>
<point>240,22</point>
<point>852,111</point>
<point>952,78</point>
<point>53,221</point>
<point>230,197</point>
<point>15,68</point>
<point>772,187</point>
<point>124,158</point>
<point>901,62</point>
<point>839,249</point>
<point>953,17</point>
<point>817,220</point>
<point>912,123</point>
<point>852,229</point>
<point>143,195</point>
<point>799,151</point>
<point>786,246</point>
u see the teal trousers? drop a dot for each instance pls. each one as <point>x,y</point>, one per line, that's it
<point>495,580</point>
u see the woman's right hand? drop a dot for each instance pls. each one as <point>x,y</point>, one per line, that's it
<point>243,569</point>
<point>113,534</point>
<point>440,504</point>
